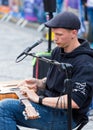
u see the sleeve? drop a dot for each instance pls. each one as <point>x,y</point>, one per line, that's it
<point>82,83</point>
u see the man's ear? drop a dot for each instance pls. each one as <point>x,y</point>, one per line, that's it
<point>75,32</point>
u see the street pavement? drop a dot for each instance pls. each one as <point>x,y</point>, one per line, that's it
<point>13,40</point>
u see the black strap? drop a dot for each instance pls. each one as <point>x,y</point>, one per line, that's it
<point>40,99</point>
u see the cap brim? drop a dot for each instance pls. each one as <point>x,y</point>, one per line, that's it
<point>51,24</point>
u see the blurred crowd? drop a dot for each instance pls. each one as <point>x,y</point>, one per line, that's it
<point>84,10</point>
<point>33,10</point>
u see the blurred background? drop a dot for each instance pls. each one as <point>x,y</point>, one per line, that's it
<point>32,11</point>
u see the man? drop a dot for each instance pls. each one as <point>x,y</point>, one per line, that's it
<point>52,107</point>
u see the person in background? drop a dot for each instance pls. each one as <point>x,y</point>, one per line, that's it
<point>85,9</point>
<point>89,5</point>
<point>39,11</point>
<point>59,5</point>
<point>76,7</point>
<point>52,103</point>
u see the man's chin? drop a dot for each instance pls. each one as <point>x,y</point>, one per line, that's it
<point>58,44</point>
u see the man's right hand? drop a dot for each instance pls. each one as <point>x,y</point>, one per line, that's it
<point>33,83</point>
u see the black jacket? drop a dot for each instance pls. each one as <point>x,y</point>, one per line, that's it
<point>82,76</point>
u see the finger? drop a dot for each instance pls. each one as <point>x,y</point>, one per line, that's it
<point>21,84</point>
<point>30,81</point>
<point>32,86</point>
<point>23,91</point>
<point>30,116</point>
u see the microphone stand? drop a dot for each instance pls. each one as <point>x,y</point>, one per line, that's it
<point>49,33</point>
<point>68,86</point>
<point>67,82</point>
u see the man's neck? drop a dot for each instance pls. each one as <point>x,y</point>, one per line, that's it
<point>73,45</point>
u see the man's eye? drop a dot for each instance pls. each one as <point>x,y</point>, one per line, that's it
<point>58,34</point>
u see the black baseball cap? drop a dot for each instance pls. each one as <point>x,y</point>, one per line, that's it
<point>67,20</point>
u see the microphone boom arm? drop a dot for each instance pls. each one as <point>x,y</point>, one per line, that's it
<point>63,66</point>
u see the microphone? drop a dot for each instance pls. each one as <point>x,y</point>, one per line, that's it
<point>28,49</point>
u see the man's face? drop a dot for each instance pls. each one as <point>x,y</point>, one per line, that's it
<point>63,37</point>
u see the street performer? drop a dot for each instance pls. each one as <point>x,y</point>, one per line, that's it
<point>53,104</point>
